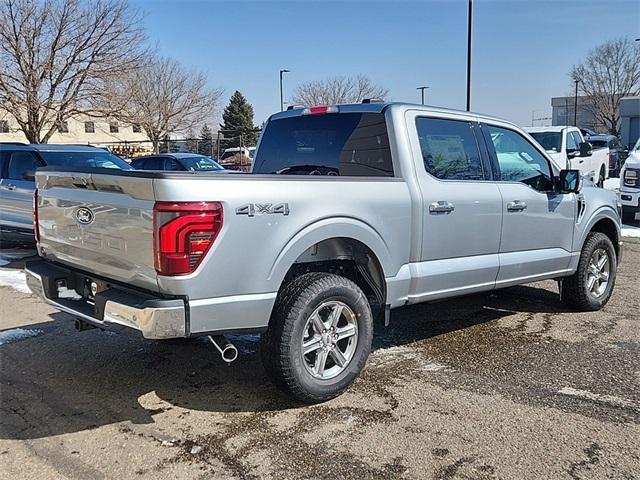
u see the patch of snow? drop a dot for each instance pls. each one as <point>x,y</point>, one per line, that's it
<point>600,398</point>
<point>629,231</point>
<point>14,279</point>
<point>196,449</point>
<point>64,292</point>
<point>612,183</point>
<point>433,366</point>
<point>17,334</point>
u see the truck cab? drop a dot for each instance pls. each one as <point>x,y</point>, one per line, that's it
<point>569,149</point>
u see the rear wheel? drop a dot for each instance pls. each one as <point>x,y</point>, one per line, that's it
<point>591,286</point>
<point>319,337</point>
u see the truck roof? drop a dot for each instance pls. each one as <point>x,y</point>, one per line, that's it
<point>555,128</point>
<point>381,106</point>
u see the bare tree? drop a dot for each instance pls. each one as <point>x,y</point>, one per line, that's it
<point>163,98</point>
<point>336,90</point>
<point>610,71</point>
<point>56,55</point>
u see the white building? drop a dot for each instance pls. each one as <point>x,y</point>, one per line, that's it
<point>127,140</point>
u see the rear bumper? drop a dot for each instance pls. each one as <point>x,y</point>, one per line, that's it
<point>155,318</point>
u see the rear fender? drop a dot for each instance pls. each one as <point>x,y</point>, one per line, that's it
<point>326,229</point>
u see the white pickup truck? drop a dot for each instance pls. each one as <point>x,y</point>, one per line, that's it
<point>630,184</point>
<point>351,211</point>
<point>567,147</point>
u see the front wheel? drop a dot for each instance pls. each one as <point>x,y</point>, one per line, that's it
<point>319,337</point>
<point>590,287</point>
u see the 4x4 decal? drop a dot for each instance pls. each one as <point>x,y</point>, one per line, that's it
<point>253,209</point>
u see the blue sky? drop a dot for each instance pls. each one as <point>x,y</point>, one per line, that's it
<point>523,49</point>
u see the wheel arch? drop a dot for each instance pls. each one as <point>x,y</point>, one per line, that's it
<point>344,246</point>
<point>604,222</point>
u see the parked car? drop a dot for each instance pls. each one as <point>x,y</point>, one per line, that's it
<point>568,148</point>
<point>178,162</point>
<point>617,152</point>
<point>630,183</point>
<point>587,132</point>
<point>233,151</point>
<point>423,204</point>
<point>18,163</point>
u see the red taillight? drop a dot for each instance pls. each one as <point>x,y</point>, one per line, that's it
<point>183,233</point>
<point>36,227</point>
<point>319,110</point>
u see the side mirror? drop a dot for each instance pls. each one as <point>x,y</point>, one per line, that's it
<point>570,181</point>
<point>585,149</point>
<point>29,176</point>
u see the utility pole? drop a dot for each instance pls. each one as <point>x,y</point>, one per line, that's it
<point>281,94</point>
<point>469,45</point>
<point>422,89</point>
<point>575,105</point>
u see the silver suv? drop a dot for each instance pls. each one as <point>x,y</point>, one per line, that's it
<point>18,164</point>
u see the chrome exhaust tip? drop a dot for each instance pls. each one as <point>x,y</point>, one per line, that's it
<point>228,351</point>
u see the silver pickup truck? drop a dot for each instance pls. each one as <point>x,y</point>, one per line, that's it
<point>350,211</point>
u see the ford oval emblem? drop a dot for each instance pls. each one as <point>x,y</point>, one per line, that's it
<point>84,215</point>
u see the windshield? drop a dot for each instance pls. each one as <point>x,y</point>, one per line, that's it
<point>550,141</point>
<point>98,159</point>
<point>200,163</point>
<point>636,147</point>
<point>352,144</point>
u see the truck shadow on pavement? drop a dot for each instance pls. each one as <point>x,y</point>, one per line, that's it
<point>63,381</point>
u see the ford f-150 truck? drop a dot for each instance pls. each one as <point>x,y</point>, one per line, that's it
<point>350,211</point>
<point>569,149</point>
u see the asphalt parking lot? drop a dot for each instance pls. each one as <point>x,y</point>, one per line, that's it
<point>505,385</point>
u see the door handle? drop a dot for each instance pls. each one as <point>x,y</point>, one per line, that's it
<point>516,206</point>
<point>11,186</point>
<point>441,207</point>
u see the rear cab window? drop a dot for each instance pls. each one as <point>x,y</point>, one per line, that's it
<point>335,144</point>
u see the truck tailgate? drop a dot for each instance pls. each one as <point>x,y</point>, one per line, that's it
<point>98,222</point>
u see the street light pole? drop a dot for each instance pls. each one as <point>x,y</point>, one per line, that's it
<point>422,89</point>
<point>281,94</point>
<point>575,105</point>
<point>469,42</point>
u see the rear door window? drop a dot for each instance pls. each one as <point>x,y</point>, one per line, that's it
<point>346,144</point>
<point>449,149</point>
<point>153,163</point>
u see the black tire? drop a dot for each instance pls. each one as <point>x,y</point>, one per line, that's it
<point>575,292</point>
<point>281,345</point>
